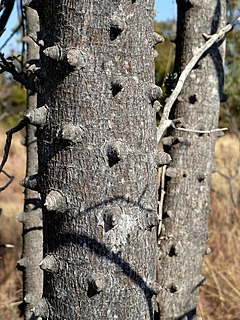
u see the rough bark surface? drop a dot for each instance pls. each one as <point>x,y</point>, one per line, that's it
<point>32,215</point>
<point>184,234</point>
<point>97,159</point>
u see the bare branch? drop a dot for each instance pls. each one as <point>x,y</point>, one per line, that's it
<point>7,245</point>
<point>9,181</point>
<point>165,122</point>
<point>21,77</point>
<point>9,134</point>
<point>8,5</point>
<point>199,131</point>
<point>10,37</point>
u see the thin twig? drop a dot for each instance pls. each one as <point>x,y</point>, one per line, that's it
<point>23,17</point>
<point>199,131</point>
<point>165,122</point>
<point>162,194</point>
<point>8,6</point>
<point>10,37</point>
<point>18,76</point>
<point>9,134</point>
<point>9,181</point>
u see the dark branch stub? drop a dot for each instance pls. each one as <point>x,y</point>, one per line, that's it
<point>173,288</point>
<point>192,99</point>
<point>116,28</point>
<point>96,284</point>
<point>113,154</point>
<point>172,251</point>
<point>117,86</point>
<point>114,32</point>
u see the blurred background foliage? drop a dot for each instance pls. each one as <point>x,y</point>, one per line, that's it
<point>12,101</point>
<point>164,62</point>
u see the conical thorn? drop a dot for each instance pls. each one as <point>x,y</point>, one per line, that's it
<point>55,53</point>
<point>42,309</point>
<point>71,133</point>
<point>75,58</point>
<point>49,264</point>
<point>55,201</point>
<point>96,283</point>
<point>157,38</point>
<point>31,182</point>
<point>38,116</point>
<point>163,158</point>
<point>154,92</point>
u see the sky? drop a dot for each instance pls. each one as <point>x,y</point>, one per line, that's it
<point>165,9</point>
<point>11,25</point>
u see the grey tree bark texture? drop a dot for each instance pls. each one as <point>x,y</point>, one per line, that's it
<point>32,215</point>
<point>184,234</point>
<point>97,159</point>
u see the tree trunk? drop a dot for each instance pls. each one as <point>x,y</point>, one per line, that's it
<point>97,159</point>
<point>32,215</point>
<point>184,234</point>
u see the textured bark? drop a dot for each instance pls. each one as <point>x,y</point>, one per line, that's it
<point>32,215</point>
<point>97,159</point>
<point>184,234</point>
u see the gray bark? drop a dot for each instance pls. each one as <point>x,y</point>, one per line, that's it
<point>32,215</point>
<point>184,235</point>
<point>97,159</point>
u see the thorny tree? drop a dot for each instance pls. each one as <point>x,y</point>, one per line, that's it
<point>183,238</point>
<point>98,159</point>
<point>31,218</point>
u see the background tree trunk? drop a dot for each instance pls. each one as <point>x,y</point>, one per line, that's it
<point>97,159</point>
<point>184,235</point>
<point>32,215</point>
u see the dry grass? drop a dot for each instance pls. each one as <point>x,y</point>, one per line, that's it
<point>220,296</point>
<point>10,277</point>
<point>11,202</point>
